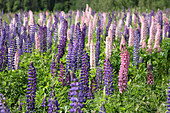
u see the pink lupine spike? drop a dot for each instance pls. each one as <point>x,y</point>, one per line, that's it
<point>104,20</point>
<point>118,28</point>
<point>157,38</point>
<point>127,19</point>
<point>82,21</point>
<point>131,36</point>
<point>123,70</point>
<point>151,35</point>
<point>143,32</point>
<point>94,21</point>
<point>37,42</point>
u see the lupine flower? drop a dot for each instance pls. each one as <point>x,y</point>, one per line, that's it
<point>16,60</point>
<point>150,79</point>
<point>37,42</point>
<point>114,30</point>
<point>168,99</point>
<point>99,77</point>
<point>20,105</point>
<point>53,68</point>
<point>157,38</point>
<point>134,20</point>
<point>102,109</point>
<point>131,36</point>
<point>74,92</point>
<point>92,56</point>
<point>44,102</point>
<point>3,107</point>
<point>123,70</point>
<point>108,25</point>
<point>136,48</point>
<point>90,32</point>
<point>151,35</point>
<point>53,103</point>
<point>108,77</point>
<point>85,72</point>
<point>118,28</point>
<point>108,49</point>
<point>31,90</point>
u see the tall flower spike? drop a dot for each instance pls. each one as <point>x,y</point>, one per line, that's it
<point>150,79</point>
<point>123,70</point>
<point>157,38</point>
<point>31,90</point>
<point>53,102</point>
<point>143,33</point>
<point>131,36</point>
<point>151,35</point>
<point>62,73</point>
<point>3,107</point>
<point>168,99</point>
<point>108,48</point>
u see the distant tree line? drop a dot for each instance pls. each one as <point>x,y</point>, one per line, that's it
<point>66,5</point>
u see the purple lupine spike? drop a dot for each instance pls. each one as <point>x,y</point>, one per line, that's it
<point>98,41</point>
<point>114,30</point>
<point>74,93</point>
<point>68,62</point>
<point>70,19</point>
<point>72,32</point>
<point>31,90</point>
<point>44,48</point>
<point>102,109</point>
<point>52,102</point>
<point>108,25</point>
<point>44,102</point>
<point>74,55</point>
<point>136,48</point>
<point>126,33</point>
<point>83,36</point>
<point>168,99</point>
<point>53,68</point>
<point>160,23</point>
<point>106,76</point>
<point>3,107</point>
<point>62,73</point>
<point>99,77</point>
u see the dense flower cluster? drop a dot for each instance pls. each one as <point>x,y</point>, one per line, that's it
<point>3,107</point>
<point>31,90</point>
<point>123,70</point>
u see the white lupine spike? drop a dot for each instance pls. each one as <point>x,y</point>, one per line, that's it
<point>16,60</point>
<point>92,56</point>
<point>77,18</point>
<point>108,49</point>
<point>90,32</point>
<point>49,22</point>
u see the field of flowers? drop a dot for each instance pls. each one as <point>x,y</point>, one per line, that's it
<point>85,62</point>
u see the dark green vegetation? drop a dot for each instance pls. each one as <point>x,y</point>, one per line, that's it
<point>65,5</point>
